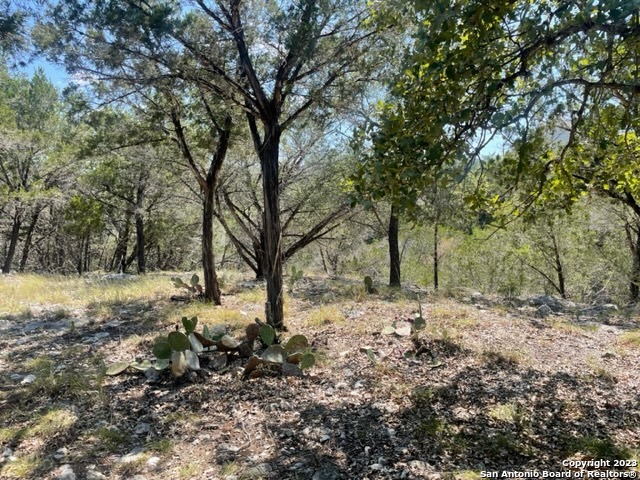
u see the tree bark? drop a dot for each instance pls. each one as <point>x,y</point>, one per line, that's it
<point>634,285</point>
<point>140,229</point>
<point>259,250</point>
<point>558,266</point>
<point>394,249</point>
<point>13,242</point>
<point>435,255</point>
<point>123,241</point>
<point>269,156</point>
<point>212,288</point>
<point>28,239</point>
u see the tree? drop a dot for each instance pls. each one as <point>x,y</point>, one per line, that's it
<point>28,144</point>
<point>273,61</point>
<point>312,204</point>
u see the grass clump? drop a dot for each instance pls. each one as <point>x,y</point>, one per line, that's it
<point>602,448</point>
<point>573,328</point>
<point>325,316</point>
<point>507,412</point>
<point>57,421</point>
<point>252,295</point>
<point>111,438</point>
<point>631,339</point>
<point>22,467</point>
<point>161,445</point>
<point>189,470</point>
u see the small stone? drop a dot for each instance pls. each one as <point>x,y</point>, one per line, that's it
<point>153,463</point>
<point>291,370</point>
<point>95,475</point>
<point>375,467</point>
<point>142,428</point>
<point>325,438</point>
<point>7,454</point>
<point>152,375</point>
<point>326,472</point>
<point>60,453</point>
<point>218,362</point>
<point>66,473</point>
<point>133,456</point>
<point>16,377</point>
<point>257,472</point>
<point>419,465</point>
<point>28,379</point>
<point>544,311</point>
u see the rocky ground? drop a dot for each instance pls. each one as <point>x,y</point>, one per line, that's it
<point>515,385</point>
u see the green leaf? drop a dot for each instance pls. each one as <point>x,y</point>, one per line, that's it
<point>308,360</point>
<point>274,354</point>
<point>189,324</point>
<point>178,341</point>
<point>162,348</point>
<point>116,368</point>
<point>296,343</point>
<point>419,323</point>
<point>294,357</point>
<point>388,330</point>
<point>142,366</point>
<point>267,334</point>
<point>162,363</point>
<point>370,355</point>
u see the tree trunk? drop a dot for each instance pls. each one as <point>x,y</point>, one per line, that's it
<point>435,255</point>
<point>13,242</point>
<point>259,250</point>
<point>211,287</point>
<point>272,227</point>
<point>123,241</point>
<point>140,224</point>
<point>28,239</point>
<point>558,266</point>
<point>634,286</point>
<point>80,264</point>
<point>140,253</point>
<point>394,249</point>
<point>87,257</point>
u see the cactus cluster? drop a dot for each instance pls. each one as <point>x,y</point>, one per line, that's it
<point>295,276</point>
<point>179,350</point>
<point>291,358</point>
<point>410,329</point>
<point>193,286</point>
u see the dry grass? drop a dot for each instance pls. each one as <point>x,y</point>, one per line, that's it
<point>573,328</point>
<point>20,293</point>
<point>22,467</point>
<point>324,316</point>
<point>630,339</point>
